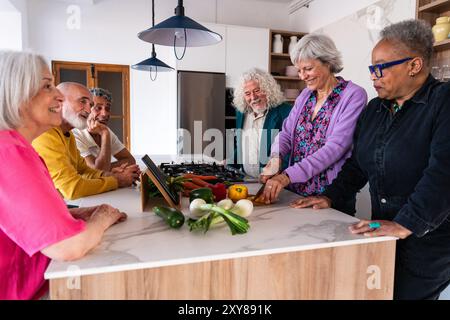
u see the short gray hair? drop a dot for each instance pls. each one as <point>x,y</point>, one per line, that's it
<point>20,80</point>
<point>102,93</point>
<point>320,47</point>
<point>415,35</point>
<point>266,83</point>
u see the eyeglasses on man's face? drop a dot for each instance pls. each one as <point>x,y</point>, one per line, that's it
<point>377,69</point>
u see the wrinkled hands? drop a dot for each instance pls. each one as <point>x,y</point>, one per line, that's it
<point>126,174</point>
<point>317,202</point>
<point>273,188</point>
<point>96,127</point>
<point>108,215</point>
<point>82,213</point>
<point>387,228</point>
<point>271,169</point>
<point>274,182</point>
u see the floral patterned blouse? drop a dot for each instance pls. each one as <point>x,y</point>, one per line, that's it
<point>310,136</point>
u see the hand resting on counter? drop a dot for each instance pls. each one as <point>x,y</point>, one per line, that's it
<point>386,228</point>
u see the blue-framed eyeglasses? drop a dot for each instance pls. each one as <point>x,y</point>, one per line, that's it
<point>377,69</point>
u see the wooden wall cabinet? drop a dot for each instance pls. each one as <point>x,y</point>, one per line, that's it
<point>279,61</point>
<point>430,10</point>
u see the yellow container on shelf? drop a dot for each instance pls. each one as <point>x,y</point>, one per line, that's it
<point>441,29</point>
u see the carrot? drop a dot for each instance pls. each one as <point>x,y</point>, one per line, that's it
<point>207,178</point>
<point>187,185</point>
<point>194,176</point>
<point>200,182</point>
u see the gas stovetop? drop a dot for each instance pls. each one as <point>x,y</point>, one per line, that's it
<point>223,173</point>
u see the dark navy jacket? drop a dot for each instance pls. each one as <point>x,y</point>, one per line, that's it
<point>406,160</point>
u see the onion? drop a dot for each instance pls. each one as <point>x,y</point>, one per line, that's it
<point>243,207</point>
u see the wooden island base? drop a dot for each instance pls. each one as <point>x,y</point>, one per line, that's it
<point>359,271</point>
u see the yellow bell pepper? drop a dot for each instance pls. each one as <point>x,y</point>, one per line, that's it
<point>237,192</point>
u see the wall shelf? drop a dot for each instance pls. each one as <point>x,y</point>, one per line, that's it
<point>437,6</point>
<point>279,61</point>
<point>287,78</point>
<point>429,11</point>
<point>288,33</point>
<point>280,55</point>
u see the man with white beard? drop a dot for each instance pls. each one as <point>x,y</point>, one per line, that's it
<point>260,111</point>
<point>71,175</point>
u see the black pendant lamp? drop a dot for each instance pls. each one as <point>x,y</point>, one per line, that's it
<point>180,31</point>
<point>152,64</point>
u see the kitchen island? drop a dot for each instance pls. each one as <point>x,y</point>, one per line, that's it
<point>287,254</point>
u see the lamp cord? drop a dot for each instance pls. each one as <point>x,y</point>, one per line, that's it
<point>175,43</point>
<point>153,45</point>
<point>153,13</point>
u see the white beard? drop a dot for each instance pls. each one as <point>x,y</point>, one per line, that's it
<point>73,119</point>
<point>255,109</point>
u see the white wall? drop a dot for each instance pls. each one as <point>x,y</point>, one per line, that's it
<point>10,26</point>
<point>22,7</point>
<point>320,13</point>
<point>241,49</point>
<point>253,13</point>
<point>107,34</point>
<point>365,25</point>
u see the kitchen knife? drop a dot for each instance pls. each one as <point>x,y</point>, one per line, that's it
<point>260,191</point>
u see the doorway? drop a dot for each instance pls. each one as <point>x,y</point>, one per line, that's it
<point>114,78</point>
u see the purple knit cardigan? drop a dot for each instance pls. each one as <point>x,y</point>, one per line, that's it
<point>339,136</point>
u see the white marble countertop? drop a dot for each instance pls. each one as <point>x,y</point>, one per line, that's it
<point>145,241</point>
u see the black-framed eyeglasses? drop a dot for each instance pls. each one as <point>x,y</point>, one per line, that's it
<point>377,69</point>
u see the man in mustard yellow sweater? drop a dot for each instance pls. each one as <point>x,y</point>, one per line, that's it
<point>69,171</point>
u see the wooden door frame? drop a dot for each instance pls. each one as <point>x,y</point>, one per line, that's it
<point>125,70</point>
<point>58,65</point>
<point>92,82</point>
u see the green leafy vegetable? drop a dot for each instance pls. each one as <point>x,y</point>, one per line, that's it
<point>236,223</point>
<point>175,185</point>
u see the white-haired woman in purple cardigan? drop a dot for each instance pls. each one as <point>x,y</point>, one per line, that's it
<point>317,135</point>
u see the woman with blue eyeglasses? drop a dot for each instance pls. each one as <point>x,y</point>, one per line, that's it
<point>402,149</point>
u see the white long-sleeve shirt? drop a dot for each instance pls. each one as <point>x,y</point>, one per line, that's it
<point>251,141</point>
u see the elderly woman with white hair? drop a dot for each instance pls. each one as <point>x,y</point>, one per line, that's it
<point>260,111</point>
<point>317,135</point>
<point>35,224</point>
